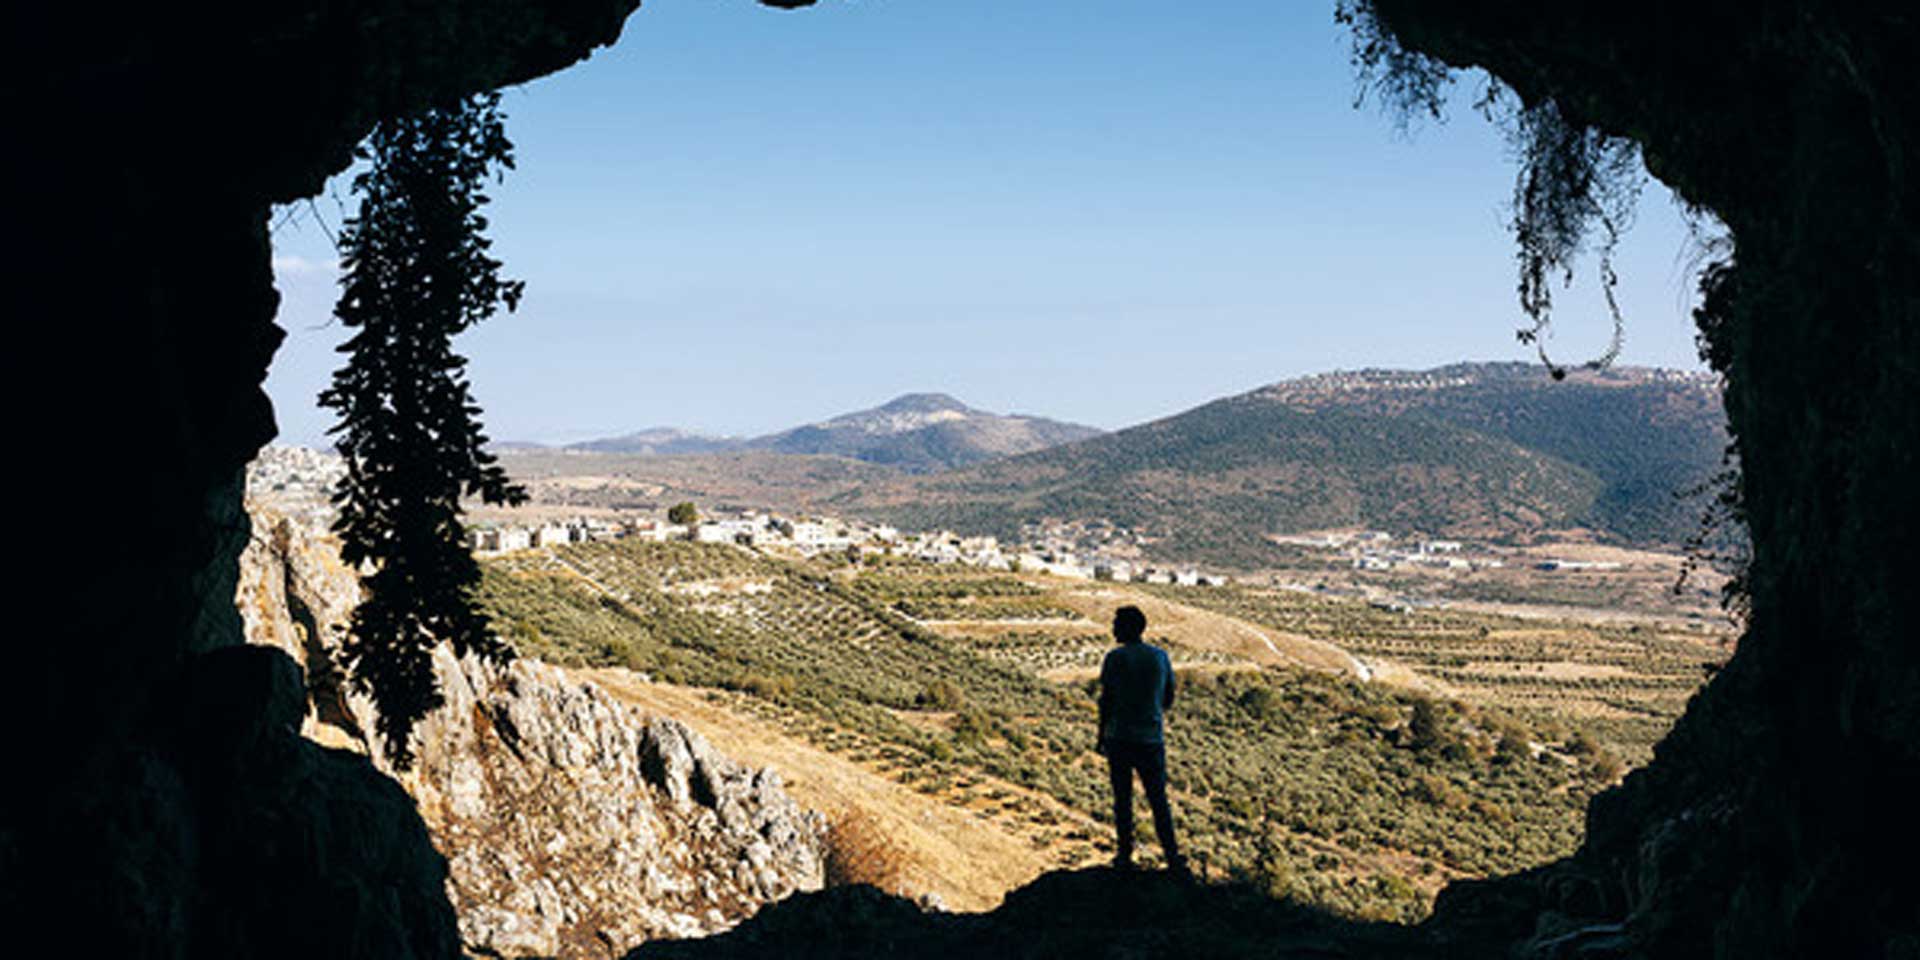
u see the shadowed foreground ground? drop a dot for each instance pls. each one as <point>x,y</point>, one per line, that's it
<point>1085,913</point>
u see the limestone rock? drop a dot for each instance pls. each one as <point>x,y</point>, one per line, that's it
<point>572,825</point>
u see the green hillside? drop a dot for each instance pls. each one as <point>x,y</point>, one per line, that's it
<point>1491,451</point>
<point>1647,442</point>
<point>1346,795</point>
<point>1213,483</point>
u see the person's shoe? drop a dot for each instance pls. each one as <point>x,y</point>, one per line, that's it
<point>1177,869</point>
<point>1122,863</point>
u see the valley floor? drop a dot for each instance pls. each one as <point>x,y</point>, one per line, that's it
<point>1339,753</point>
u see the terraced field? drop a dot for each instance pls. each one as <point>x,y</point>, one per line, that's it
<point>929,593</point>
<point>1629,680</point>
<point>975,689</point>
<point>1078,656</point>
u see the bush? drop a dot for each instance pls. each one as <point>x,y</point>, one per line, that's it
<point>1437,791</point>
<point>860,851</point>
<point>1605,767</point>
<point>973,728</point>
<point>1426,729</point>
<point>767,688</point>
<point>1583,744</point>
<point>941,695</point>
<point>1512,747</point>
<point>1261,702</point>
<point>1273,873</point>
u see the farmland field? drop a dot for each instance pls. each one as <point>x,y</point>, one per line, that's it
<point>1344,755</point>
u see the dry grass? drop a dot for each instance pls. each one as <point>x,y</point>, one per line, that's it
<point>914,826</point>
<point>1198,629</point>
<point>1558,670</point>
<point>947,844</point>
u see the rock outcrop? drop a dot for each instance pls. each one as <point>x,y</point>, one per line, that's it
<point>573,826</point>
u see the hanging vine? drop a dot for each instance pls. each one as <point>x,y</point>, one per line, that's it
<point>1573,183</point>
<point>416,271</point>
<point>1572,180</point>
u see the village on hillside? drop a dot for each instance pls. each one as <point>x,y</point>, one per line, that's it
<point>1324,386</point>
<point>299,481</point>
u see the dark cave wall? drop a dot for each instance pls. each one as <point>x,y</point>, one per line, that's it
<point>1777,820</point>
<point>161,803</point>
<point>145,144</point>
<point>147,147</point>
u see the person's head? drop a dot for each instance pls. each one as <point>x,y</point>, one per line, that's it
<point>1129,624</point>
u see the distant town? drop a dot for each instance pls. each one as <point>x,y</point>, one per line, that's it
<point>299,481</point>
<point>1323,386</point>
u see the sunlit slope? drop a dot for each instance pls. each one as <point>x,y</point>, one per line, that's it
<point>969,688</point>
<point>1648,441</point>
<point>1213,484</point>
<point>968,843</point>
<point>1475,450</point>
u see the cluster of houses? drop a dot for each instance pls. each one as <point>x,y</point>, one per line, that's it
<point>506,538</point>
<point>813,536</point>
<point>1096,565</point>
<point>300,481</point>
<point>1100,550</point>
<point>1375,550</point>
<point>1325,385</point>
<point>750,528</point>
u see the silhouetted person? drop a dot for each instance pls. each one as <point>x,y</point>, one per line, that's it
<point>1136,687</point>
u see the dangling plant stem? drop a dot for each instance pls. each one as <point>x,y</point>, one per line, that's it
<point>416,272</point>
<point>1571,178</point>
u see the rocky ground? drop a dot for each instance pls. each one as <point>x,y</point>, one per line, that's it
<point>1084,913</point>
<point>573,826</point>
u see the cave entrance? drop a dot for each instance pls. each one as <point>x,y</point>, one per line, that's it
<point>1062,235</point>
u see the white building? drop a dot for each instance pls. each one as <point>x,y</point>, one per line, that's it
<point>741,532</point>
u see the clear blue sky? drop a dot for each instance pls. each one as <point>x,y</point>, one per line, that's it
<point>739,219</point>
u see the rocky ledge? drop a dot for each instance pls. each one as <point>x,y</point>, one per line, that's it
<point>573,826</point>
<point>1085,913</point>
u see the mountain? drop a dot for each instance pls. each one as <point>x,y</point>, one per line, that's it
<point>1476,450</point>
<point>914,433</point>
<point>659,441</point>
<point>1649,436</point>
<point>924,432</point>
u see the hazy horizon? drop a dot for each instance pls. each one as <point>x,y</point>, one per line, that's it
<point>569,438</point>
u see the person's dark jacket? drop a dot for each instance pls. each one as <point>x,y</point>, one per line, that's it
<point>1136,687</point>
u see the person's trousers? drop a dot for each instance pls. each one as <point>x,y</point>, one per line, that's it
<point>1150,760</point>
